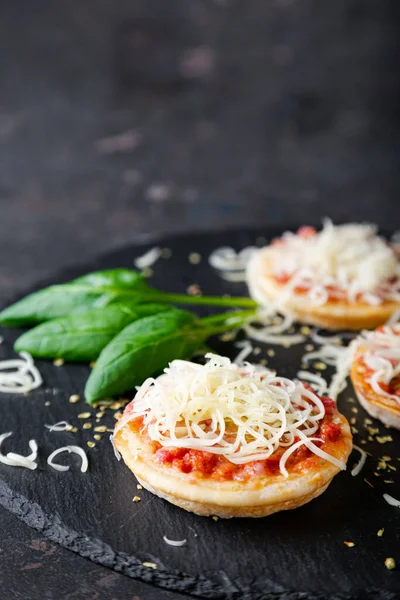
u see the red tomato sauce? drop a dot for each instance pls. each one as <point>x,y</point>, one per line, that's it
<point>206,464</point>
<point>393,387</point>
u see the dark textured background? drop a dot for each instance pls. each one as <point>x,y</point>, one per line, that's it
<point>225,113</point>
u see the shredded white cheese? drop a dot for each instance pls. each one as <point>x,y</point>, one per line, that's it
<point>227,259</point>
<point>19,375</point>
<point>148,259</point>
<point>349,261</point>
<point>269,333</point>
<point>60,426</point>
<point>326,339</point>
<point>242,413</point>
<point>336,356</point>
<point>17,460</point>
<point>174,542</point>
<point>231,264</point>
<point>319,382</point>
<point>116,453</point>
<point>247,349</point>
<point>357,468</point>
<point>381,354</point>
<point>392,501</point>
<point>70,449</point>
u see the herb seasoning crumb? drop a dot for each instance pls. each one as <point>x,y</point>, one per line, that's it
<point>320,366</point>
<point>194,290</point>
<point>305,330</point>
<point>383,439</point>
<point>390,563</point>
<point>194,258</point>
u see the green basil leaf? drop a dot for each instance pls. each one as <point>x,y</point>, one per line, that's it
<point>82,336</point>
<point>90,291</point>
<point>142,349</point>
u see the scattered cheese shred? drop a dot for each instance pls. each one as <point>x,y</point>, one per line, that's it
<point>357,468</point>
<point>70,449</point>
<point>19,375</point>
<point>338,357</point>
<point>226,259</point>
<point>247,349</point>
<point>148,259</point>
<point>174,542</point>
<point>60,426</point>
<point>392,501</point>
<point>272,332</point>
<point>17,460</point>
<point>116,453</point>
<point>319,382</point>
<point>242,413</point>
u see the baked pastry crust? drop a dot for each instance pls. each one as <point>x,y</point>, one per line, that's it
<point>258,497</point>
<point>334,315</point>
<point>378,406</point>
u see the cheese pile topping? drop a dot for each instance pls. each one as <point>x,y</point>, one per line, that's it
<point>350,261</point>
<point>243,413</point>
<point>382,356</point>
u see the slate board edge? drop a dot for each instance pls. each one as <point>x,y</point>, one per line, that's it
<point>100,553</point>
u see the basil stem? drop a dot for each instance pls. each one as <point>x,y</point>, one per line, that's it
<point>97,290</point>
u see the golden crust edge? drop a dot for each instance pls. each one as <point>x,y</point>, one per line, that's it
<point>208,509</point>
<point>215,499</point>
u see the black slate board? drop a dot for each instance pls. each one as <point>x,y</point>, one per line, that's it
<point>297,554</point>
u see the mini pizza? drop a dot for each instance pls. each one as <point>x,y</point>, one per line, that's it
<point>343,277</point>
<point>375,373</point>
<point>232,441</point>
